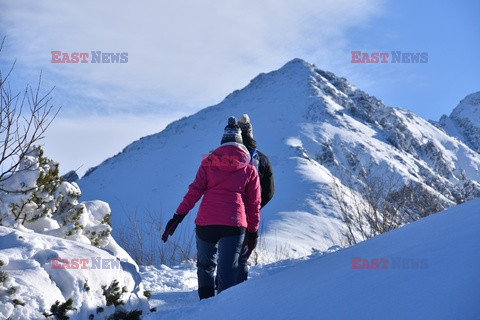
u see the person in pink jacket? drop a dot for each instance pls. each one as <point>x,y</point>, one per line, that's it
<point>229,214</point>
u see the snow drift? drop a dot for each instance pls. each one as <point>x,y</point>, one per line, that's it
<point>431,273</point>
<point>36,279</point>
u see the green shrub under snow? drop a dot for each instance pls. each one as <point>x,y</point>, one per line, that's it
<point>35,197</point>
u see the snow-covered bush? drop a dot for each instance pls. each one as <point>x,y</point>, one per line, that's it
<point>28,194</point>
<point>86,221</point>
<point>35,197</point>
<point>34,201</point>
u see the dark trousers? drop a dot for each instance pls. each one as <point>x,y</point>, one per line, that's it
<point>218,248</point>
<point>242,274</point>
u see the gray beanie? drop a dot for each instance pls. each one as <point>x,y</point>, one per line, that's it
<point>232,132</point>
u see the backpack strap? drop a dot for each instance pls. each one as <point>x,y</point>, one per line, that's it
<point>254,158</point>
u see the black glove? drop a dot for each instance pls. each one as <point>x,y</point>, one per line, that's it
<point>251,242</point>
<point>172,224</point>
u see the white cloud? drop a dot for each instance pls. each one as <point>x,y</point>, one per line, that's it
<point>81,143</point>
<point>181,53</point>
<point>183,56</point>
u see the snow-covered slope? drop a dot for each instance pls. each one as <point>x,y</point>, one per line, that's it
<point>315,127</point>
<point>431,273</point>
<point>464,121</point>
<point>37,279</point>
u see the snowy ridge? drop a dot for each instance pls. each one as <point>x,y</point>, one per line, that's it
<point>317,129</point>
<point>464,121</point>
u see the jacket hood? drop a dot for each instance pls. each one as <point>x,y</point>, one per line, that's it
<point>229,156</point>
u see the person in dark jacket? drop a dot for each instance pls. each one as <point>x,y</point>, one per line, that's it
<point>265,173</point>
<point>229,214</point>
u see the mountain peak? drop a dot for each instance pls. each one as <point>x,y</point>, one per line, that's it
<point>473,99</point>
<point>298,63</point>
<point>318,130</point>
<point>464,121</point>
<point>295,79</point>
<point>468,108</point>
<point>295,68</point>
<point>294,75</point>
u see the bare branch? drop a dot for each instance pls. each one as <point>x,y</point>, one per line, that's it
<point>373,202</point>
<point>24,119</point>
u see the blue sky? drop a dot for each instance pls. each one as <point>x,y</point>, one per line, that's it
<point>187,55</point>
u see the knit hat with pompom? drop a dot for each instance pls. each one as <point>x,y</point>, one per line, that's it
<point>232,132</point>
<point>245,125</point>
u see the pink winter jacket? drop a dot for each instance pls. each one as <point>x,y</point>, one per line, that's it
<point>230,187</point>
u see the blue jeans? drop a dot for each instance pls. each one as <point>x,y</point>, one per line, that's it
<point>222,255</point>
<point>242,274</point>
